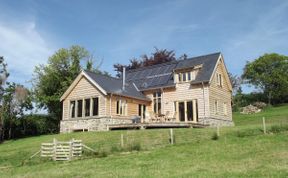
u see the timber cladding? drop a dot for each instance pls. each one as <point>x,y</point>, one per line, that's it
<point>84,89</point>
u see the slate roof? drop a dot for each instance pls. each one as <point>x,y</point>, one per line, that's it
<point>161,75</point>
<point>156,76</point>
<point>114,86</point>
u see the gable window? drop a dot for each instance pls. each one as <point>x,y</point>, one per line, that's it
<point>72,109</point>
<point>157,102</point>
<point>79,108</point>
<point>216,107</point>
<point>87,107</point>
<point>219,79</point>
<point>121,106</point>
<point>95,108</point>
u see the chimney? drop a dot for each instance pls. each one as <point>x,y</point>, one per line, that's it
<point>123,78</point>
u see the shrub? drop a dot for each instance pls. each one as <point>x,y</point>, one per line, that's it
<point>248,132</point>
<point>215,136</point>
<point>278,128</point>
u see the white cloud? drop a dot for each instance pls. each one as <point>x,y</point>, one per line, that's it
<point>23,47</point>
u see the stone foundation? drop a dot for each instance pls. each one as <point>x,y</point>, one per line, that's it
<point>93,124</point>
<point>213,122</point>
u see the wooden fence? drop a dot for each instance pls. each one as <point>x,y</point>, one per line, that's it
<point>62,151</point>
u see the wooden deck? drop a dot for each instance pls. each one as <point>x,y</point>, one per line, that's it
<point>155,125</point>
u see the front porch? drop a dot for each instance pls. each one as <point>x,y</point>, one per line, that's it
<point>153,125</point>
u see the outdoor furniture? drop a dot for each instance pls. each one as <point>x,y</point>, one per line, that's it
<point>153,117</point>
<point>166,117</point>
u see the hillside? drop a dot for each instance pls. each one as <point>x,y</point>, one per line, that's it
<point>240,151</point>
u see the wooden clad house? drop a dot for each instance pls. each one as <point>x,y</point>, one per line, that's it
<point>195,90</point>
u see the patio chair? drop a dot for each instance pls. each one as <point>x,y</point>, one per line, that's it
<point>153,117</point>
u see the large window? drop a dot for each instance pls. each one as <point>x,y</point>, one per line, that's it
<point>121,107</point>
<point>79,108</point>
<point>72,109</point>
<point>95,106</point>
<point>141,110</point>
<point>157,102</point>
<point>84,107</point>
<point>87,107</point>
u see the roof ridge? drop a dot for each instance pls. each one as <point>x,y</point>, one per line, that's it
<point>85,70</point>
<point>170,62</point>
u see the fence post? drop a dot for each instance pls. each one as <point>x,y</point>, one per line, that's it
<point>54,148</point>
<point>122,140</point>
<point>218,130</point>
<point>264,125</point>
<point>171,137</point>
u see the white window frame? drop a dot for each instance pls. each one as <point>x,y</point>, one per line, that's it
<point>122,107</point>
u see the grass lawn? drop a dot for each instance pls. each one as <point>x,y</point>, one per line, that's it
<point>240,151</point>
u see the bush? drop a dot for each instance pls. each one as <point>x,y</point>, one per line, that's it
<point>215,136</point>
<point>278,128</point>
<point>248,132</point>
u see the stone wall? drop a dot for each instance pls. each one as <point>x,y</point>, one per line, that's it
<point>93,124</point>
<point>214,122</point>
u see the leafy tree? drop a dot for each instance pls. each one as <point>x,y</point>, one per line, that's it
<point>52,80</point>
<point>3,76</point>
<point>269,73</point>
<point>157,57</point>
<point>235,82</point>
<point>16,100</point>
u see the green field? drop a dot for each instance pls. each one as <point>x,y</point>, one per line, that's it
<point>240,151</point>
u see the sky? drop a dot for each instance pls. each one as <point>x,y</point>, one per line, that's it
<point>116,31</point>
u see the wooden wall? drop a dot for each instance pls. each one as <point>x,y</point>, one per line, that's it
<point>84,89</point>
<point>221,94</point>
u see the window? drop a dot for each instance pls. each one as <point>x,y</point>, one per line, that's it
<point>189,76</point>
<point>216,107</point>
<point>157,102</point>
<point>87,107</point>
<point>179,77</point>
<point>72,109</point>
<point>95,107</point>
<point>121,107</point>
<point>225,108</point>
<point>141,110</point>
<point>79,108</point>
<point>184,77</point>
<point>219,79</point>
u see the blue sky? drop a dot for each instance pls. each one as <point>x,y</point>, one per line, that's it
<point>116,31</point>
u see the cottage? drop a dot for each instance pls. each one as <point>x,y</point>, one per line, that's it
<point>195,90</point>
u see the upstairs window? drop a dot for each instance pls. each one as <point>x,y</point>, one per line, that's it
<point>219,79</point>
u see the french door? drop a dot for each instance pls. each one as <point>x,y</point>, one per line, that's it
<point>187,111</point>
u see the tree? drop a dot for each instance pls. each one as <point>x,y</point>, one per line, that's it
<point>3,76</point>
<point>52,80</point>
<point>157,57</point>
<point>269,73</point>
<point>16,100</point>
<point>235,82</point>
